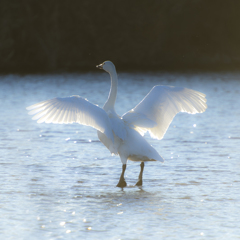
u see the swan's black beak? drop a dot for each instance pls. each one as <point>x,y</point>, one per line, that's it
<point>100,66</point>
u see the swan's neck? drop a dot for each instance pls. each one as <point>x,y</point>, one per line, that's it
<point>109,105</point>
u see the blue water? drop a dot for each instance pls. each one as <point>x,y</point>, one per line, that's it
<point>58,181</point>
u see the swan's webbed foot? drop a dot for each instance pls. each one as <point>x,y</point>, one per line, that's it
<point>139,182</point>
<point>122,183</point>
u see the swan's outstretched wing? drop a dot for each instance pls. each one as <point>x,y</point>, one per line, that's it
<point>72,109</point>
<point>157,110</point>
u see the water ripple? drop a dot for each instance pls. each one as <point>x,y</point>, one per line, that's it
<point>58,181</point>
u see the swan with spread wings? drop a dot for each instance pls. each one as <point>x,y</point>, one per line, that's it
<point>123,135</point>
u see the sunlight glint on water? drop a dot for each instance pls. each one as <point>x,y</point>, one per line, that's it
<point>58,181</point>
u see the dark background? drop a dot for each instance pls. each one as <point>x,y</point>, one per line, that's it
<point>75,35</point>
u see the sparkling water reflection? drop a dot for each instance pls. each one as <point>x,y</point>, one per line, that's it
<point>58,181</point>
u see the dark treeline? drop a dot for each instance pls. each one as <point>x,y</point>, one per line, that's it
<point>75,35</point>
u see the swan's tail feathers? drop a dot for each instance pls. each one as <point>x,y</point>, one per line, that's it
<point>160,159</point>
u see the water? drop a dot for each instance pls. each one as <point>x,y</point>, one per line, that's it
<point>58,181</point>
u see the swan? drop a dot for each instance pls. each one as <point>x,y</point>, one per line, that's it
<point>123,135</point>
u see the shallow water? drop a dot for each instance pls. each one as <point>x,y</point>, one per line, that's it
<point>58,181</point>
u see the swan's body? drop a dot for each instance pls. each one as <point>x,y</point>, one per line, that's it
<point>124,135</point>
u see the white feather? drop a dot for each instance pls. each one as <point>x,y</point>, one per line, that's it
<point>161,105</point>
<point>72,109</point>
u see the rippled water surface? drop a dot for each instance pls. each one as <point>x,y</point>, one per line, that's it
<point>58,181</point>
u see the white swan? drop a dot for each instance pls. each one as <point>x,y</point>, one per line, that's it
<point>123,136</point>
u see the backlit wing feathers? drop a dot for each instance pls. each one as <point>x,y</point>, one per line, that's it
<point>157,110</point>
<point>72,109</point>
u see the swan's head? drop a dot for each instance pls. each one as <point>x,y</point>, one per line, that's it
<point>108,66</point>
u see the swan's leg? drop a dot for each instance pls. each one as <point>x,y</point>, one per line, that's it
<point>139,182</point>
<point>122,182</point>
